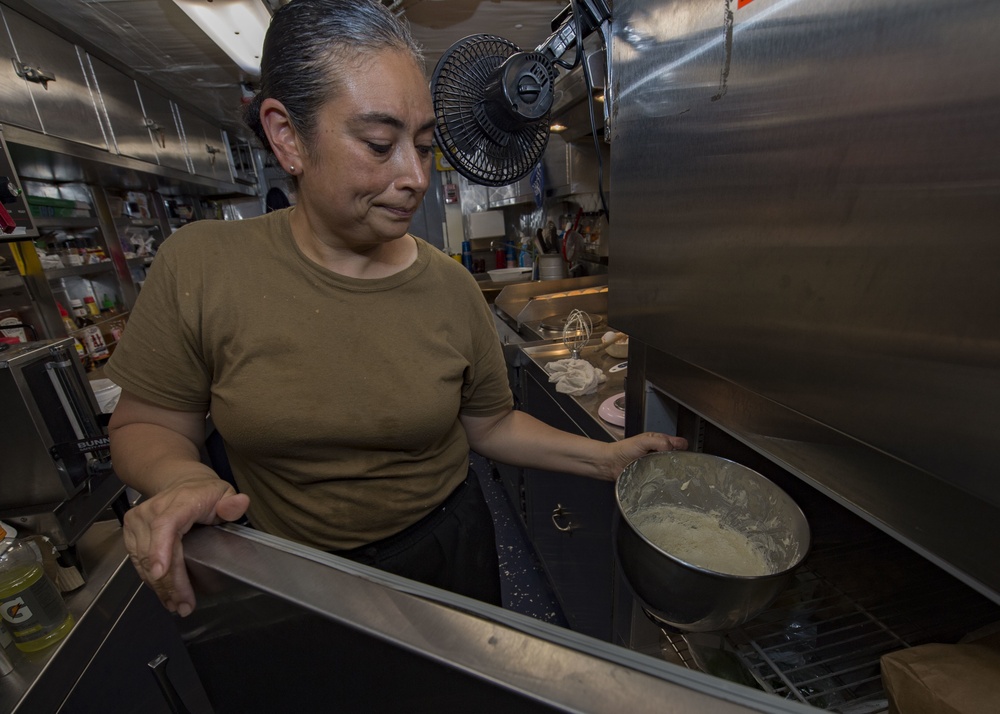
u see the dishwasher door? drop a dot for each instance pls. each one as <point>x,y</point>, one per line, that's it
<point>281,627</point>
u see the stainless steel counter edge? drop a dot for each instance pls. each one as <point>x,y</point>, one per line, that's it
<point>532,658</point>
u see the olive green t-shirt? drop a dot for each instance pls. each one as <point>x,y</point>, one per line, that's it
<point>338,398</point>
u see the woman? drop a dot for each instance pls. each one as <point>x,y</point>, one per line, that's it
<point>348,365</point>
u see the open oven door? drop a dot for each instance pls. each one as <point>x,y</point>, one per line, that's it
<point>281,627</point>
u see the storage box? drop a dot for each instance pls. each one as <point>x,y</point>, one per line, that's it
<point>43,207</point>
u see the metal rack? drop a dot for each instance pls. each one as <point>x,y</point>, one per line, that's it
<point>821,642</point>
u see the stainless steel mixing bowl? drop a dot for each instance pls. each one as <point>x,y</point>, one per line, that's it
<point>685,596</point>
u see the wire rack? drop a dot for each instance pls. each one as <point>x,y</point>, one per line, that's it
<point>821,641</point>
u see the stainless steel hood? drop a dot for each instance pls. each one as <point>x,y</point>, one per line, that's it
<point>522,306</point>
<point>281,627</point>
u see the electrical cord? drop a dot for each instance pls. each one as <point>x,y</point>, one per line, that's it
<point>590,106</point>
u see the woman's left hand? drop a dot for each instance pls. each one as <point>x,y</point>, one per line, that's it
<point>628,450</point>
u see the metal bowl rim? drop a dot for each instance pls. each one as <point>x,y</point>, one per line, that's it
<point>704,571</point>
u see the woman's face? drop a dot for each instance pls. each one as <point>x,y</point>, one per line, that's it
<point>367,168</point>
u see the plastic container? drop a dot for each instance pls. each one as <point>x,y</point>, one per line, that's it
<point>31,606</point>
<point>107,393</point>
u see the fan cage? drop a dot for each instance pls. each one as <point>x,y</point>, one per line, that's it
<point>458,88</point>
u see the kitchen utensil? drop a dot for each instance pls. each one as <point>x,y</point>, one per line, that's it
<point>618,367</point>
<point>551,266</point>
<point>685,596</point>
<point>577,331</point>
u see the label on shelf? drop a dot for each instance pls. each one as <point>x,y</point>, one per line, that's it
<point>9,317</point>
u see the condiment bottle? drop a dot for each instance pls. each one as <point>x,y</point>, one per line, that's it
<point>32,609</point>
<point>91,304</point>
<point>68,321</point>
<point>80,313</point>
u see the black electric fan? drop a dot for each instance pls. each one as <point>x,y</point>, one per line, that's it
<point>492,100</point>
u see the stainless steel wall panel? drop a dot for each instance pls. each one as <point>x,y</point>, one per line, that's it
<point>118,97</point>
<point>806,201</point>
<point>66,103</point>
<point>16,106</point>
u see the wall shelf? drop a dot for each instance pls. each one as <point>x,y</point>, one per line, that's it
<point>11,282</point>
<point>77,223</point>
<point>79,270</point>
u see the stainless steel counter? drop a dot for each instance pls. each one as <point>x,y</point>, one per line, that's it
<point>41,680</point>
<point>541,354</point>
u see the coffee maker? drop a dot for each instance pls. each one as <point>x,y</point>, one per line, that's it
<point>56,477</point>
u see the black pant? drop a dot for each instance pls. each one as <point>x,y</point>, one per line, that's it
<point>453,548</point>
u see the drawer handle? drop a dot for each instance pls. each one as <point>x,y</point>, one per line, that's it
<point>560,513</point>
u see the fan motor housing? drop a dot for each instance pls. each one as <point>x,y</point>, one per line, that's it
<point>526,79</point>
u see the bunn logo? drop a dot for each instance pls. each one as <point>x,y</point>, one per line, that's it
<point>15,611</point>
<point>100,443</point>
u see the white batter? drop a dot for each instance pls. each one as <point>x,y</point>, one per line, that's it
<point>700,539</point>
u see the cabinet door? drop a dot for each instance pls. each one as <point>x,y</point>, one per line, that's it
<point>569,522</point>
<point>66,103</point>
<point>15,98</point>
<point>118,95</point>
<point>120,671</point>
<point>162,118</point>
<point>207,148</point>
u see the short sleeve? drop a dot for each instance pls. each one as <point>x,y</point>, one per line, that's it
<point>159,357</point>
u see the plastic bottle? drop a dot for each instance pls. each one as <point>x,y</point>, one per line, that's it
<point>80,313</point>
<point>68,321</point>
<point>31,606</point>
<point>91,304</point>
<point>467,254</point>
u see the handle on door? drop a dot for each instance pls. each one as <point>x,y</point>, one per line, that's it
<point>561,514</point>
<point>159,669</point>
<point>161,137</point>
<point>33,74</point>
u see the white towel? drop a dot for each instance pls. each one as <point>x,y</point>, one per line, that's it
<point>575,377</point>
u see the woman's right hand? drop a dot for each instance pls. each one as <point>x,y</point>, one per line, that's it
<point>154,529</point>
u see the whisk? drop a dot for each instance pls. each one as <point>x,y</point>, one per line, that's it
<point>576,332</point>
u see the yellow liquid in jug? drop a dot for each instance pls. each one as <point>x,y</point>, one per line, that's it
<point>22,577</point>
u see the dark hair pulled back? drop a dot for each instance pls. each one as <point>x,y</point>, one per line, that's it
<point>308,46</point>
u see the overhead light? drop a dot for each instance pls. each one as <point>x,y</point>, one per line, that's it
<point>557,127</point>
<point>237,26</point>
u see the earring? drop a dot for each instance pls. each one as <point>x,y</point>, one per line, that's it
<point>291,169</point>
